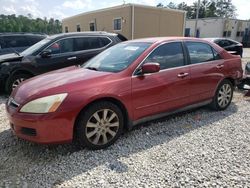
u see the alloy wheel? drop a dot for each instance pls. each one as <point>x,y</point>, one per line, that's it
<point>102,127</point>
<point>224,95</point>
<point>17,82</point>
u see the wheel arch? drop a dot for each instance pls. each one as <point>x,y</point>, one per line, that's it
<point>127,121</point>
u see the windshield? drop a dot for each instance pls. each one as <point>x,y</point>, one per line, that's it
<point>118,57</point>
<point>34,47</point>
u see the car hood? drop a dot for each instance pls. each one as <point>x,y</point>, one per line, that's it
<point>10,57</point>
<point>66,80</point>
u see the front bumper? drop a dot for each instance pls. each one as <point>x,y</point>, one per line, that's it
<point>53,128</point>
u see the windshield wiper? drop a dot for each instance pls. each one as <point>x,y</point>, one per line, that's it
<point>16,52</point>
<point>91,68</point>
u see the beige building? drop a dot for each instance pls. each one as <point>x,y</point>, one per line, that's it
<point>130,20</point>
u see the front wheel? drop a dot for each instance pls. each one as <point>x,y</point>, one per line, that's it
<point>223,96</point>
<point>99,126</point>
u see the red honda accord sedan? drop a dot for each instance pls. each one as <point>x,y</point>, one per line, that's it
<point>129,83</point>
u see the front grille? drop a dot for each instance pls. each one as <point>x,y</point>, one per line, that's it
<point>28,131</point>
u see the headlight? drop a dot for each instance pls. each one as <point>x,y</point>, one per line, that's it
<point>44,104</point>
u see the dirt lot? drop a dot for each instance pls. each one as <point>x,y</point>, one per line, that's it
<point>199,148</point>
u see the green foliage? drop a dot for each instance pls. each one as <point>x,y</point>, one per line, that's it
<point>13,23</point>
<point>208,8</point>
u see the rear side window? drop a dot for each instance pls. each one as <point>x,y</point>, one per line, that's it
<point>167,55</point>
<point>62,46</point>
<point>15,41</point>
<point>199,52</point>
<point>89,43</point>
<point>34,39</point>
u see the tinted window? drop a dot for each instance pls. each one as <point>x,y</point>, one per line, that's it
<point>199,52</point>
<point>167,55</point>
<point>15,41</point>
<point>105,41</point>
<point>87,43</point>
<point>34,39</point>
<point>62,46</point>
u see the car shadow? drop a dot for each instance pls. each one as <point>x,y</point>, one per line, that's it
<point>34,163</point>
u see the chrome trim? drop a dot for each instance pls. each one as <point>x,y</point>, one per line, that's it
<point>157,116</point>
<point>72,37</point>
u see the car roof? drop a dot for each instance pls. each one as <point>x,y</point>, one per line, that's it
<point>165,39</point>
<point>85,33</point>
<point>21,33</point>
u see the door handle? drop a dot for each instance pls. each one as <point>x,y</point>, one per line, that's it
<point>219,66</point>
<point>71,58</point>
<point>182,75</point>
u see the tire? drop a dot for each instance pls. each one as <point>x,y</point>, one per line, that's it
<point>94,131</point>
<point>14,81</point>
<point>223,96</point>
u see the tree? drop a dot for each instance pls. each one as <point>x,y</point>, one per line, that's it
<point>12,23</point>
<point>208,8</point>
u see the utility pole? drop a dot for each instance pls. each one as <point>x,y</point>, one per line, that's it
<point>196,19</point>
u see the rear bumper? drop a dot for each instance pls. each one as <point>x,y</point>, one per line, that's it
<point>54,128</point>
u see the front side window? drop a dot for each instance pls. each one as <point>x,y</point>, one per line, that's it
<point>118,57</point>
<point>117,24</point>
<point>62,46</point>
<point>168,55</point>
<point>199,52</point>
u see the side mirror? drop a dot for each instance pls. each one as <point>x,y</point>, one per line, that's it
<point>150,68</point>
<point>46,53</point>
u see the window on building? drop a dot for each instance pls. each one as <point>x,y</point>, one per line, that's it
<point>229,34</point>
<point>238,33</point>
<point>224,33</point>
<point>92,26</point>
<point>66,29</point>
<point>199,52</point>
<point>117,24</point>
<point>167,55</point>
<point>78,28</point>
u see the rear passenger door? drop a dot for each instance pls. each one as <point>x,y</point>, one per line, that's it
<point>88,47</point>
<point>206,70</point>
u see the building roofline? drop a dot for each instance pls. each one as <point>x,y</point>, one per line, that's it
<point>123,6</point>
<point>218,18</point>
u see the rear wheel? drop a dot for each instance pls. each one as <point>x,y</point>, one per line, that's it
<point>14,81</point>
<point>223,96</point>
<point>99,126</point>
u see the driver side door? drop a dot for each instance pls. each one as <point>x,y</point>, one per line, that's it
<point>165,90</point>
<point>62,55</point>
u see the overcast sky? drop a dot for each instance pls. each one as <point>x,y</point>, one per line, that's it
<point>63,8</point>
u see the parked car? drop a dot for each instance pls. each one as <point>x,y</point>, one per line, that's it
<point>129,83</point>
<point>18,42</point>
<point>53,53</point>
<point>230,45</point>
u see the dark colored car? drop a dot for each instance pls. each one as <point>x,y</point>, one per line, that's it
<point>129,83</point>
<point>53,53</point>
<point>18,42</point>
<point>230,45</point>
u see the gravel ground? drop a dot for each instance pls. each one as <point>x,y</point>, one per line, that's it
<point>196,148</point>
